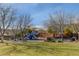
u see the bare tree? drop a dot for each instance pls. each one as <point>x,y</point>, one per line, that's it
<point>61,20</point>
<point>73,22</point>
<point>23,23</point>
<point>6,19</point>
<point>15,30</point>
<point>57,22</point>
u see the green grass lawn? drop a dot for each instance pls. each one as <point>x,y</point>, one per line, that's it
<point>40,49</point>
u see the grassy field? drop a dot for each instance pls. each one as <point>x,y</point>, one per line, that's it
<point>39,49</point>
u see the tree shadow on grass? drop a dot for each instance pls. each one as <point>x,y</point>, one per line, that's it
<point>12,49</point>
<point>42,49</point>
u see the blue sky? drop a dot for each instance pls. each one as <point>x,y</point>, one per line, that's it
<point>40,11</point>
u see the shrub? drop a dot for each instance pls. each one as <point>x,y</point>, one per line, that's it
<point>22,33</point>
<point>60,40</point>
<point>51,40</point>
<point>68,32</point>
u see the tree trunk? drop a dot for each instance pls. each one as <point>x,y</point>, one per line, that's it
<point>78,36</point>
<point>2,39</point>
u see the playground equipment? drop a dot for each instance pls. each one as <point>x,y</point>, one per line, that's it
<point>31,36</point>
